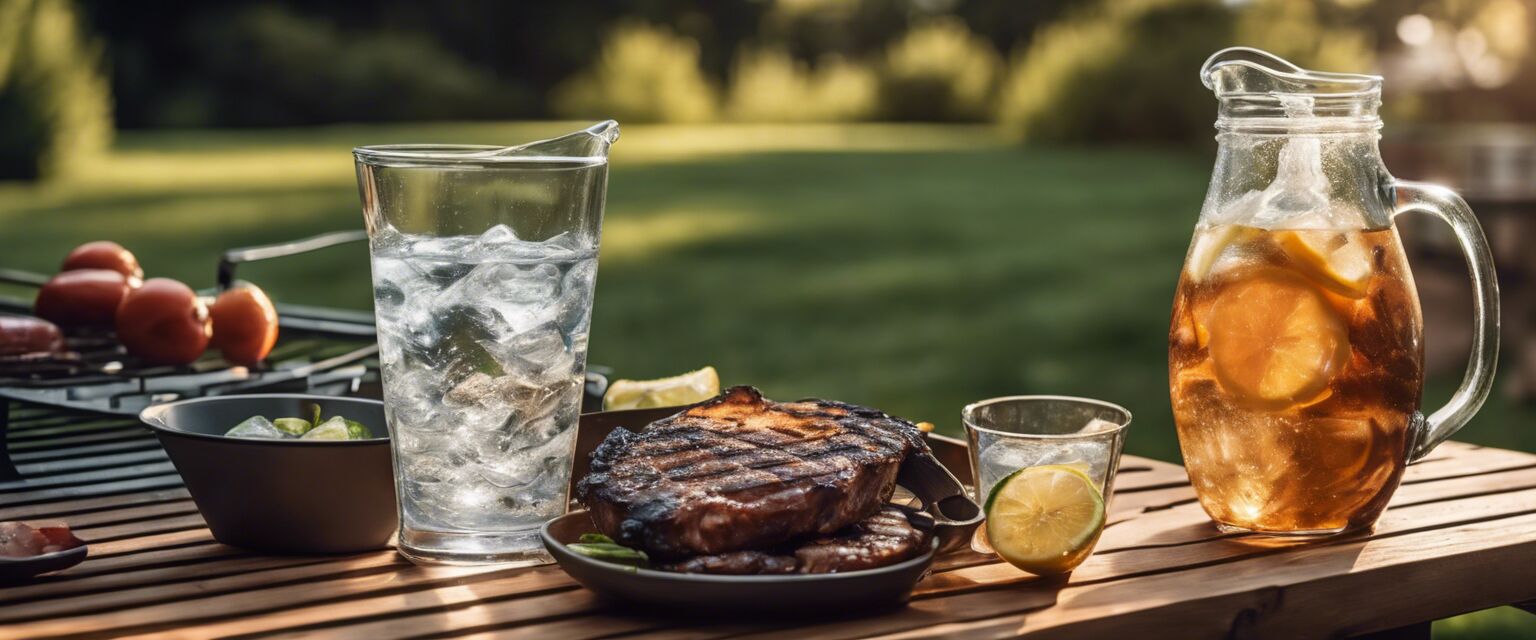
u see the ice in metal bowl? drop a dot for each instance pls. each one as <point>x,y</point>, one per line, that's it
<point>282,495</point>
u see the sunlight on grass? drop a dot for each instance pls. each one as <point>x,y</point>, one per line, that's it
<point>181,162</point>
<point>637,238</point>
<point>140,171</point>
<point>1493,624</point>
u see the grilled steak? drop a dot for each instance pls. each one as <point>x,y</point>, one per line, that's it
<point>740,472</point>
<point>886,538</point>
<point>740,563</point>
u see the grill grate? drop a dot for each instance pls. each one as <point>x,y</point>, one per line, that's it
<point>321,351</point>
<point>98,377</point>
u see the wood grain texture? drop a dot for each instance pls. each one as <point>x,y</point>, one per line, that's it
<point>1460,536</point>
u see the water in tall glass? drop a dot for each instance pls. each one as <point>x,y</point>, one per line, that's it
<point>484,261</point>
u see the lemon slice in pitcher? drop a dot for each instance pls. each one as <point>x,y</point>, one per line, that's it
<point>1336,259</point>
<point>1275,341</point>
<point>1046,519</point>
<point>1210,244</point>
<point>691,387</point>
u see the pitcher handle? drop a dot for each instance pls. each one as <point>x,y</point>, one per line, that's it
<point>1444,204</point>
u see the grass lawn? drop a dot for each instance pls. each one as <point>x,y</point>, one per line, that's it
<point>910,268</point>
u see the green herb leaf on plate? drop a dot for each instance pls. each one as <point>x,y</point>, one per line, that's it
<point>609,552</point>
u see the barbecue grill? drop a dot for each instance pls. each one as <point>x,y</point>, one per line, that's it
<point>319,350</point>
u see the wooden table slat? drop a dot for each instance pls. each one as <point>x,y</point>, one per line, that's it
<point>60,509</point>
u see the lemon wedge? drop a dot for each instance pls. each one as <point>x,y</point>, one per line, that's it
<point>691,387</point>
<point>1210,244</point>
<point>1275,341</point>
<point>1339,261</point>
<point>1045,519</point>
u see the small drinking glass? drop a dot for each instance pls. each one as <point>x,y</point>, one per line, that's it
<point>1011,433</point>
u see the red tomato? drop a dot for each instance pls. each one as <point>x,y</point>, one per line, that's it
<point>58,535</point>
<point>244,324</point>
<point>103,254</point>
<point>83,298</point>
<point>164,322</point>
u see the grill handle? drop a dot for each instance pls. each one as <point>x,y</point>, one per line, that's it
<point>234,257</point>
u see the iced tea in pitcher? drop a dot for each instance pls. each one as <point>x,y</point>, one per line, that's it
<point>1295,351</point>
<point>1296,366</point>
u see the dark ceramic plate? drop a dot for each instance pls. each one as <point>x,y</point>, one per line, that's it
<point>926,481</point>
<point>672,591</point>
<point>284,496</point>
<point>18,569</point>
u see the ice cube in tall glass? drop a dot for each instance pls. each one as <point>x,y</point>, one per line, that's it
<point>484,262</point>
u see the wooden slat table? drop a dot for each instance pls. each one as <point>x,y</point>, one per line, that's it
<point>1460,536</point>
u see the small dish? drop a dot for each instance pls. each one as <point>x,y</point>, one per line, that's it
<point>672,591</point>
<point>285,496</point>
<point>17,569</point>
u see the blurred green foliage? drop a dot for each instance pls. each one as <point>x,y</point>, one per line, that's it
<point>644,73</point>
<point>1047,70</point>
<point>271,66</point>
<point>770,85</point>
<point>55,104</point>
<point>1119,71</point>
<point>939,71</point>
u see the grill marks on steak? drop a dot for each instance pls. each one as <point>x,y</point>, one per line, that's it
<point>887,537</point>
<point>741,472</point>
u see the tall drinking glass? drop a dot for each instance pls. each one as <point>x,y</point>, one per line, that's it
<point>483,266</point>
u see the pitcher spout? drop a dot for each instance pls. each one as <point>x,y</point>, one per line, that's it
<point>591,143</point>
<point>1260,88</point>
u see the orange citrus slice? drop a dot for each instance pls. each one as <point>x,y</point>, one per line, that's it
<point>1274,339</point>
<point>1339,260</point>
<point>1344,445</point>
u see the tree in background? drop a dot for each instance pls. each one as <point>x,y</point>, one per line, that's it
<point>644,73</point>
<point>939,71</point>
<point>269,66</point>
<point>1079,70</point>
<point>769,85</point>
<point>55,105</point>
<point>1126,70</point>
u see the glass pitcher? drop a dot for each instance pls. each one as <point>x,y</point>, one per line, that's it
<point>1295,355</point>
<point>484,262</point>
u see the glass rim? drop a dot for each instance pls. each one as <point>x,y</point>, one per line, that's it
<point>431,154</point>
<point>970,409</point>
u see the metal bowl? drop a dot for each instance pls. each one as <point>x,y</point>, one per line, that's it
<point>285,496</point>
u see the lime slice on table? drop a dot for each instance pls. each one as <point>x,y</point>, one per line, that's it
<point>691,387</point>
<point>332,429</point>
<point>1046,519</point>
